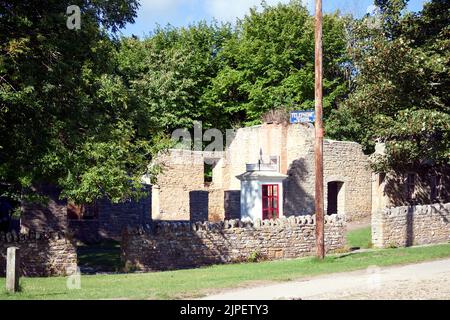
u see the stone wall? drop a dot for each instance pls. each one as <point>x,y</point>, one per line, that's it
<point>181,193</point>
<point>49,216</point>
<point>168,245</point>
<point>113,218</point>
<point>109,223</point>
<point>431,185</point>
<point>345,162</point>
<point>293,146</point>
<point>41,254</point>
<point>250,143</point>
<point>216,205</point>
<point>223,204</point>
<point>183,173</point>
<point>411,225</point>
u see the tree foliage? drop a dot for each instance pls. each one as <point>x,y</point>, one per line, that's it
<point>66,117</point>
<point>401,80</point>
<point>269,63</point>
<point>227,76</point>
<point>87,111</point>
<point>170,72</point>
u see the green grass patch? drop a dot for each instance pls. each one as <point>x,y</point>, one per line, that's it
<point>196,282</point>
<point>360,238</point>
<point>104,256</point>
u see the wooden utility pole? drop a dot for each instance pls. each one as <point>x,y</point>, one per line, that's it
<point>318,149</point>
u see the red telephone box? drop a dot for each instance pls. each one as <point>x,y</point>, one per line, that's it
<point>270,199</point>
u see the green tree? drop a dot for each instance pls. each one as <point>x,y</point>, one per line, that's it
<point>170,71</point>
<point>269,63</point>
<point>66,117</point>
<point>401,83</point>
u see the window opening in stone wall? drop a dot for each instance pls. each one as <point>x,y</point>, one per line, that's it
<point>207,174</point>
<point>410,185</point>
<point>436,187</point>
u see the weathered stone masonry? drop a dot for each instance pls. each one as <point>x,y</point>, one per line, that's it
<point>411,225</point>
<point>175,245</point>
<point>346,174</point>
<point>41,254</point>
<point>111,219</point>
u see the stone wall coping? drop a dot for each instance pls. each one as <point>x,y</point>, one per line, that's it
<point>331,141</point>
<point>29,236</point>
<point>418,209</point>
<point>170,226</point>
<point>83,221</point>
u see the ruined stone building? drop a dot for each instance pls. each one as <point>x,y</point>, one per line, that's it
<point>87,223</point>
<point>287,154</point>
<point>267,171</point>
<point>425,184</point>
<point>283,155</point>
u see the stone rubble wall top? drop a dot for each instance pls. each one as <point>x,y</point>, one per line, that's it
<point>418,209</point>
<point>30,236</point>
<point>170,226</point>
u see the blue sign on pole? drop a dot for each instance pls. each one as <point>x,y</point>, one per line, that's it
<point>303,116</point>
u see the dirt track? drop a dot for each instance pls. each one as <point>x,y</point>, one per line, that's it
<point>428,280</point>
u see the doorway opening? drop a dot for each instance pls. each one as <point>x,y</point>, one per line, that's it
<point>335,197</point>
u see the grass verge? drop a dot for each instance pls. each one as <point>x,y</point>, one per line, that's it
<point>196,282</point>
<point>360,238</point>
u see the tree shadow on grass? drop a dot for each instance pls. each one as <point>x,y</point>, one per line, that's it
<point>101,257</point>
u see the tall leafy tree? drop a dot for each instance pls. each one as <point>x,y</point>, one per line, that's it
<point>170,71</point>
<point>401,79</point>
<point>269,63</point>
<point>66,117</point>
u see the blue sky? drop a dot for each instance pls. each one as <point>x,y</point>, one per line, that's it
<point>183,12</point>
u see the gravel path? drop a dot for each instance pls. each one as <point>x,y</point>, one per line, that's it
<point>362,223</point>
<point>436,288</point>
<point>428,280</point>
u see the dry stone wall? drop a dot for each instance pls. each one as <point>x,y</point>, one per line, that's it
<point>431,185</point>
<point>41,254</point>
<point>411,225</point>
<point>108,224</point>
<point>170,245</point>
<point>49,216</point>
